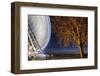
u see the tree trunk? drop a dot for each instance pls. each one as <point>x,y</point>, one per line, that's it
<point>81,51</point>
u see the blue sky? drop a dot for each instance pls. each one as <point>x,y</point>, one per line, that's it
<point>54,47</point>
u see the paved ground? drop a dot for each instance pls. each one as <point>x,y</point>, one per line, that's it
<point>62,56</point>
<point>66,56</point>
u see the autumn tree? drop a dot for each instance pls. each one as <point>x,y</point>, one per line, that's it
<point>71,30</point>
